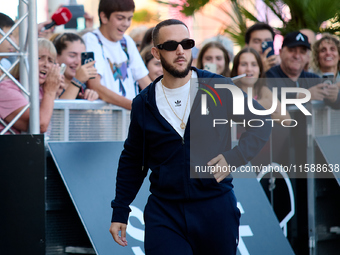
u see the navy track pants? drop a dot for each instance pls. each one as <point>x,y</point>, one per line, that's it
<point>192,228</point>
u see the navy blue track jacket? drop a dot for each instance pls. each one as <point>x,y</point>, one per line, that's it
<point>152,143</point>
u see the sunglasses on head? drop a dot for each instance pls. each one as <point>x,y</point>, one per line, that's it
<point>172,45</point>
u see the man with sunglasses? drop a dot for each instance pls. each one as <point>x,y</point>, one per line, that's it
<point>185,214</point>
<point>118,61</point>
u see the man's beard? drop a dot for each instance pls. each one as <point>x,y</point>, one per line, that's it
<point>173,71</point>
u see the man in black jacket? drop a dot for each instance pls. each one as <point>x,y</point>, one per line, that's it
<point>186,213</point>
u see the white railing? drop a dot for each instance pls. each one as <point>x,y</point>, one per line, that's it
<point>82,120</point>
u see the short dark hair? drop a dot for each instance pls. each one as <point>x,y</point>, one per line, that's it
<point>110,6</point>
<point>164,23</point>
<point>61,40</point>
<point>5,21</point>
<point>256,27</point>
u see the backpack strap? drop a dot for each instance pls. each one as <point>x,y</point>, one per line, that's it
<point>100,43</point>
<point>123,44</point>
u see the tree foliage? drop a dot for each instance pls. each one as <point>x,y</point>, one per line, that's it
<point>189,7</point>
<point>317,15</point>
<point>305,13</point>
<point>144,15</point>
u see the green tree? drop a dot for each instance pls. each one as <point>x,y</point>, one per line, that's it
<point>304,14</point>
<point>144,15</point>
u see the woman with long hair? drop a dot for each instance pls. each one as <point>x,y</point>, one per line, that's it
<point>69,47</point>
<point>216,53</point>
<point>248,61</point>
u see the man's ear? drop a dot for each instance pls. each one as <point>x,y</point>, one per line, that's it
<point>155,53</point>
<point>103,18</point>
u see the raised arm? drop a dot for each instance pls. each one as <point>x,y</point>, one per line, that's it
<point>108,95</point>
<point>50,88</point>
<point>83,74</point>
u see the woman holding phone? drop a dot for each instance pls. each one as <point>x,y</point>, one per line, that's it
<point>69,48</point>
<point>214,57</point>
<point>326,57</point>
<point>248,61</point>
<point>51,83</point>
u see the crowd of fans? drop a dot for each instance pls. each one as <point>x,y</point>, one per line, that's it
<point>125,65</point>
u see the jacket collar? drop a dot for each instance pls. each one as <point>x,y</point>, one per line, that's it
<point>149,93</point>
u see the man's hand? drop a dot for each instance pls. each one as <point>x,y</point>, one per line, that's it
<point>88,20</point>
<point>318,92</point>
<point>114,230</point>
<point>271,61</point>
<point>221,162</point>
<point>332,92</point>
<point>46,33</point>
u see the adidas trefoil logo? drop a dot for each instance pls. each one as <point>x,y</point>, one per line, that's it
<point>178,103</point>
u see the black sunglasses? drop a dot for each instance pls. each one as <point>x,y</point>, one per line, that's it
<point>172,45</point>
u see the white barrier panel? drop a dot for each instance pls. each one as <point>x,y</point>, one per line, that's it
<point>82,120</point>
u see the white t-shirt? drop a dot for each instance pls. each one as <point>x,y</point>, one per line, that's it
<point>114,52</point>
<point>178,98</point>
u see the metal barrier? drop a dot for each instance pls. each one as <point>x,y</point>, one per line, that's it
<point>323,194</point>
<point>27,53</point>
<point>324,121</point>
<point>77,120</point>
<point>82,120</point>
<point>298,194</point>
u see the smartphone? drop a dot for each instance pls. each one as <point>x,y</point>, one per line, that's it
<point>266,45</point>
<point>211,67</point>
<point>328,78</point>
<point>62,68</point>
<point>86,57</point>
